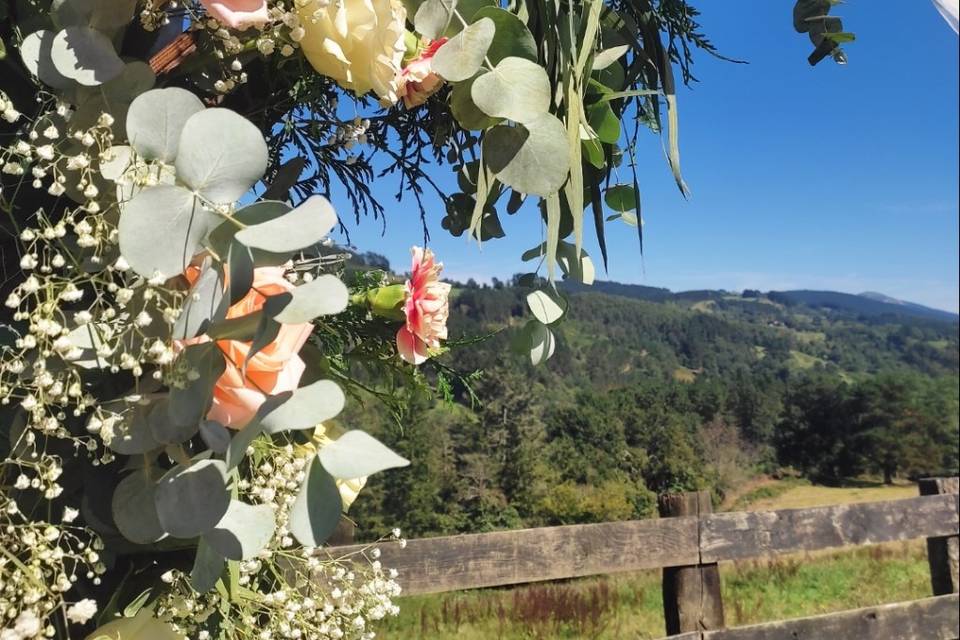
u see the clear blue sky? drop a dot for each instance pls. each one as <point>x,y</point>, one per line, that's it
<point>832,177</point>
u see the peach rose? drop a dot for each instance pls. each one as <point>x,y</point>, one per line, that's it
<point>417,80</point>
<point>274,369</point>
<point>238,14</point>
<point>426,309</point>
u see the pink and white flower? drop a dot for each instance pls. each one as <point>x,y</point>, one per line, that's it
<point>418,80</point>
<point>238,14</point>
<point>426,309</point>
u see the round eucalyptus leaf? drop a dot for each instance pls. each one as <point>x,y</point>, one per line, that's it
<point>621,197</point>
<point>544,344</point>
<point>357,454</point>
<point>165,430</point>
<point>532,158</point>
<point>243,532</point>
<point>306,225</point>
<point>468,115</point>
<point>239,443</point>
<point>511,39</point>
<point>156,118</point>
<point>103,15</point>
<point>306,408</point>
<point>189,404</point>
<point>317,507</point>
<point>202,303</point>
<point>134,511</point>
<point>135,78</point>
<point>257,213</point>
<point>462,55</point>
<point>604,122</point>
<point>324,295</point>
<point>113,97</point>
<point>161,229</point>
<point>516,89</point>
<point>243,328</point>
<point>537,341</point>
<point>132,435</point>
<point>191,500</point>
<point>221,155</point>
<point>85,55</point>
<point>207,568</point>
<point>433,17</point>
<point>215,436</point>
<point>127,171</point>
<point>241,263</point>
<point>544,307</point>
<point>580,268</point>
<point>35,52</point>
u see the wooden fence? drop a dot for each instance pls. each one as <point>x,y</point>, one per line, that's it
<point>688,542</point>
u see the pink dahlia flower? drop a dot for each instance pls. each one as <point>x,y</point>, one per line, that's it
<point>426,309</point>
<point>417,80</point>
<point>238,14</point>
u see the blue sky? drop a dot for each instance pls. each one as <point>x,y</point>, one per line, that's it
<point>831,177</point>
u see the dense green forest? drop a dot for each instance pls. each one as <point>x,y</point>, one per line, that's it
<point>650,392</point>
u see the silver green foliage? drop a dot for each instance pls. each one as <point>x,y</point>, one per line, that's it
<point>433,17</point>
<point>516,89</point>
<point>357,454</point>
<point>221,155</point>
<point>155,120</point>
<point>189,402</point>
<point>316,509</point>
<point>218,155</point>
<point>463,54</point>
<point>208,565</point>
<point>243,532</point>
<point>306,225</point>
<point>133,508</point>
<point>85,55</point>
<point>324,295</point>
<point>307,407</point>
<point>531,158</point>
<point>544,307</point>
<point>191,500</point>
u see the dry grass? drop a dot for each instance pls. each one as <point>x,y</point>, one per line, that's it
<point>798,496</point>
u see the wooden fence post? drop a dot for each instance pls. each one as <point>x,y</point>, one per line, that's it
<point>943,553</point>
<point>691,594</point>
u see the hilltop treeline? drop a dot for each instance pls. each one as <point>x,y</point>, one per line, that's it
<point>648,397</point>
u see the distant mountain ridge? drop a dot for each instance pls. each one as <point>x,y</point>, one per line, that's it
<point>871,305</point>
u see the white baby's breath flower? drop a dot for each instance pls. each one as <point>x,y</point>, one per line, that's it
<point>45,152</point>
<point>82,611</point>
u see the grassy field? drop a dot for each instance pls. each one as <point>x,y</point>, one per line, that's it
<point>630,605</point>
<point>796,494</point>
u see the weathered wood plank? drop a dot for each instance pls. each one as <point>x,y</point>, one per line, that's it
<point>734,536</point>
<point>433,565</point>
<point>943,552</point>
<point>691,595</point>
<point>928,619</point>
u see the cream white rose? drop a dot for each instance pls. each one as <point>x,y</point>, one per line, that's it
<point>358,43</point>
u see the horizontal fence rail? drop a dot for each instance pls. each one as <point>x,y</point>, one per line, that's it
<point>928,619</point>
<point>451,563</point>
<point>688,544</point>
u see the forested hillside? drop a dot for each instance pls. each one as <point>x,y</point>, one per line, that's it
<point>672,392</point>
